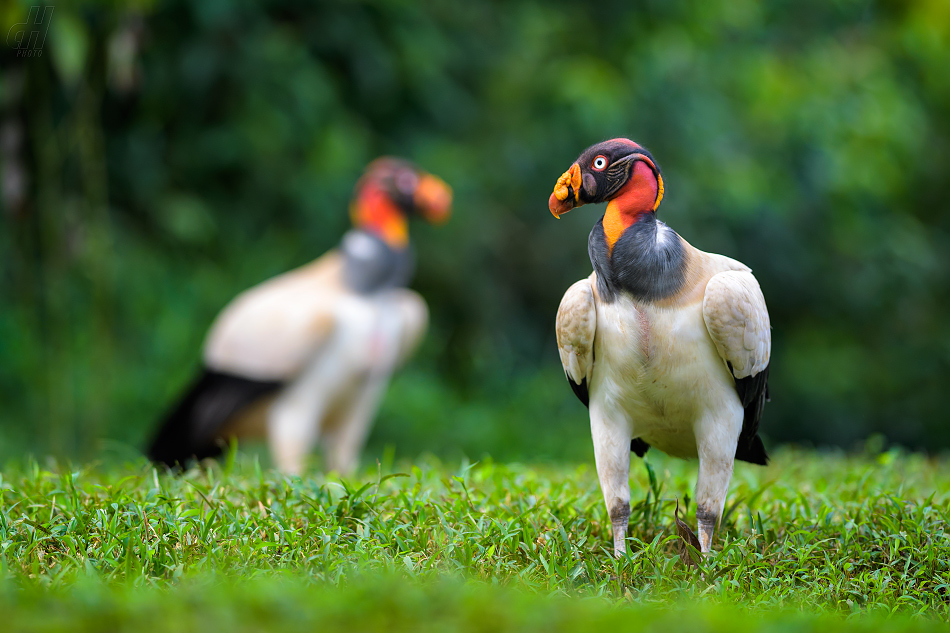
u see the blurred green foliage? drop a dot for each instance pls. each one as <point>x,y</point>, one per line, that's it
<point>160,157</point>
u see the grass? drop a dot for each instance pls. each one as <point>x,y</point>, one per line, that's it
<point>473,547</point>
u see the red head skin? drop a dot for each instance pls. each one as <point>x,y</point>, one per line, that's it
<point>392,188</point>
<point>374,211</point>
<point>619,172</point>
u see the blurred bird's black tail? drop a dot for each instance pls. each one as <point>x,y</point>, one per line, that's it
<point>191,428</point>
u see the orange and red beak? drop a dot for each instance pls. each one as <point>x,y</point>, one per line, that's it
<point>433,198</point>
<point>566,191</point>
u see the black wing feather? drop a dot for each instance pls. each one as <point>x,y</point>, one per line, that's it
<point>190,429</point>
<point>753,393</point>
<point>580,390</point>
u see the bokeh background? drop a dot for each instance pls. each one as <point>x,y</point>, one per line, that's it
<point>159,157</point>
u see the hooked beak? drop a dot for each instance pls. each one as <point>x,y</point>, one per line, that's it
<point>566,190</point>
<point>433,198</point>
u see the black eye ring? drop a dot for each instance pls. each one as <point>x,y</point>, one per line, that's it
<point>599,163</point>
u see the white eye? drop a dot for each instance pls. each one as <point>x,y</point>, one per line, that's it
<point>599,163</point>
<point>406,182</point>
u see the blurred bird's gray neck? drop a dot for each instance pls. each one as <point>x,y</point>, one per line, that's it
<point>371,265</point>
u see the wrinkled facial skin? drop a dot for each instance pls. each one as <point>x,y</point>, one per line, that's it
<point>413,190</point>
<point>599,186</point>
<point>597,175</point>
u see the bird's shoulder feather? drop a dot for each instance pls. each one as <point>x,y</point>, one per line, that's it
<point>268,332</point>
<point>576,325</point>
<point>737,320</point>
<point>738,323</point>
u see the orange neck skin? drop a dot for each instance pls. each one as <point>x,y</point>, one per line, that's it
<point>632,202</point>
<point>373,211</point>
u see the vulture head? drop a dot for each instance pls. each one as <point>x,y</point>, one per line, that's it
<point>392,190</point>
<point>612,170</point>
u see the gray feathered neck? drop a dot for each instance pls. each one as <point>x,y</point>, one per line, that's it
<point>648,261</point>
<point>371,265</point>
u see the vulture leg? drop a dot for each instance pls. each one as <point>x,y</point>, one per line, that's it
<point>716,441</point>
<point>295,419</point>
<point>293,429</point>
<point>343,443</point>
<point>612,455</point>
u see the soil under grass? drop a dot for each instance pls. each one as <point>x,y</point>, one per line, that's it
<point>430,546</point>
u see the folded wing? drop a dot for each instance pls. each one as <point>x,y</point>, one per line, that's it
<point>272,330</point>
<point>259,343</point>
<point>738,323</point>
<point>576,325</point>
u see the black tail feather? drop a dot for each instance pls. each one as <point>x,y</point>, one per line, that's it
<point>639,447</point>
<point>191,428</point>
<point>753,393</point>
<point>752,451</point>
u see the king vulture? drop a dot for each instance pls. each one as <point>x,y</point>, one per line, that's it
<point>666,345</point>
<point>308,354</point>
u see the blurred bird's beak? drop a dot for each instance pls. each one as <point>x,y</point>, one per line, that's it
<point>433,198</point>
<point>566,191</point>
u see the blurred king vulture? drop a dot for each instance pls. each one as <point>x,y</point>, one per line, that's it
<point>307,355</point>
<point>667,346</point>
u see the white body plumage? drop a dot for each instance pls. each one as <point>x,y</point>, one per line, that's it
<point>659,371</point>
<point>334,349</point>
